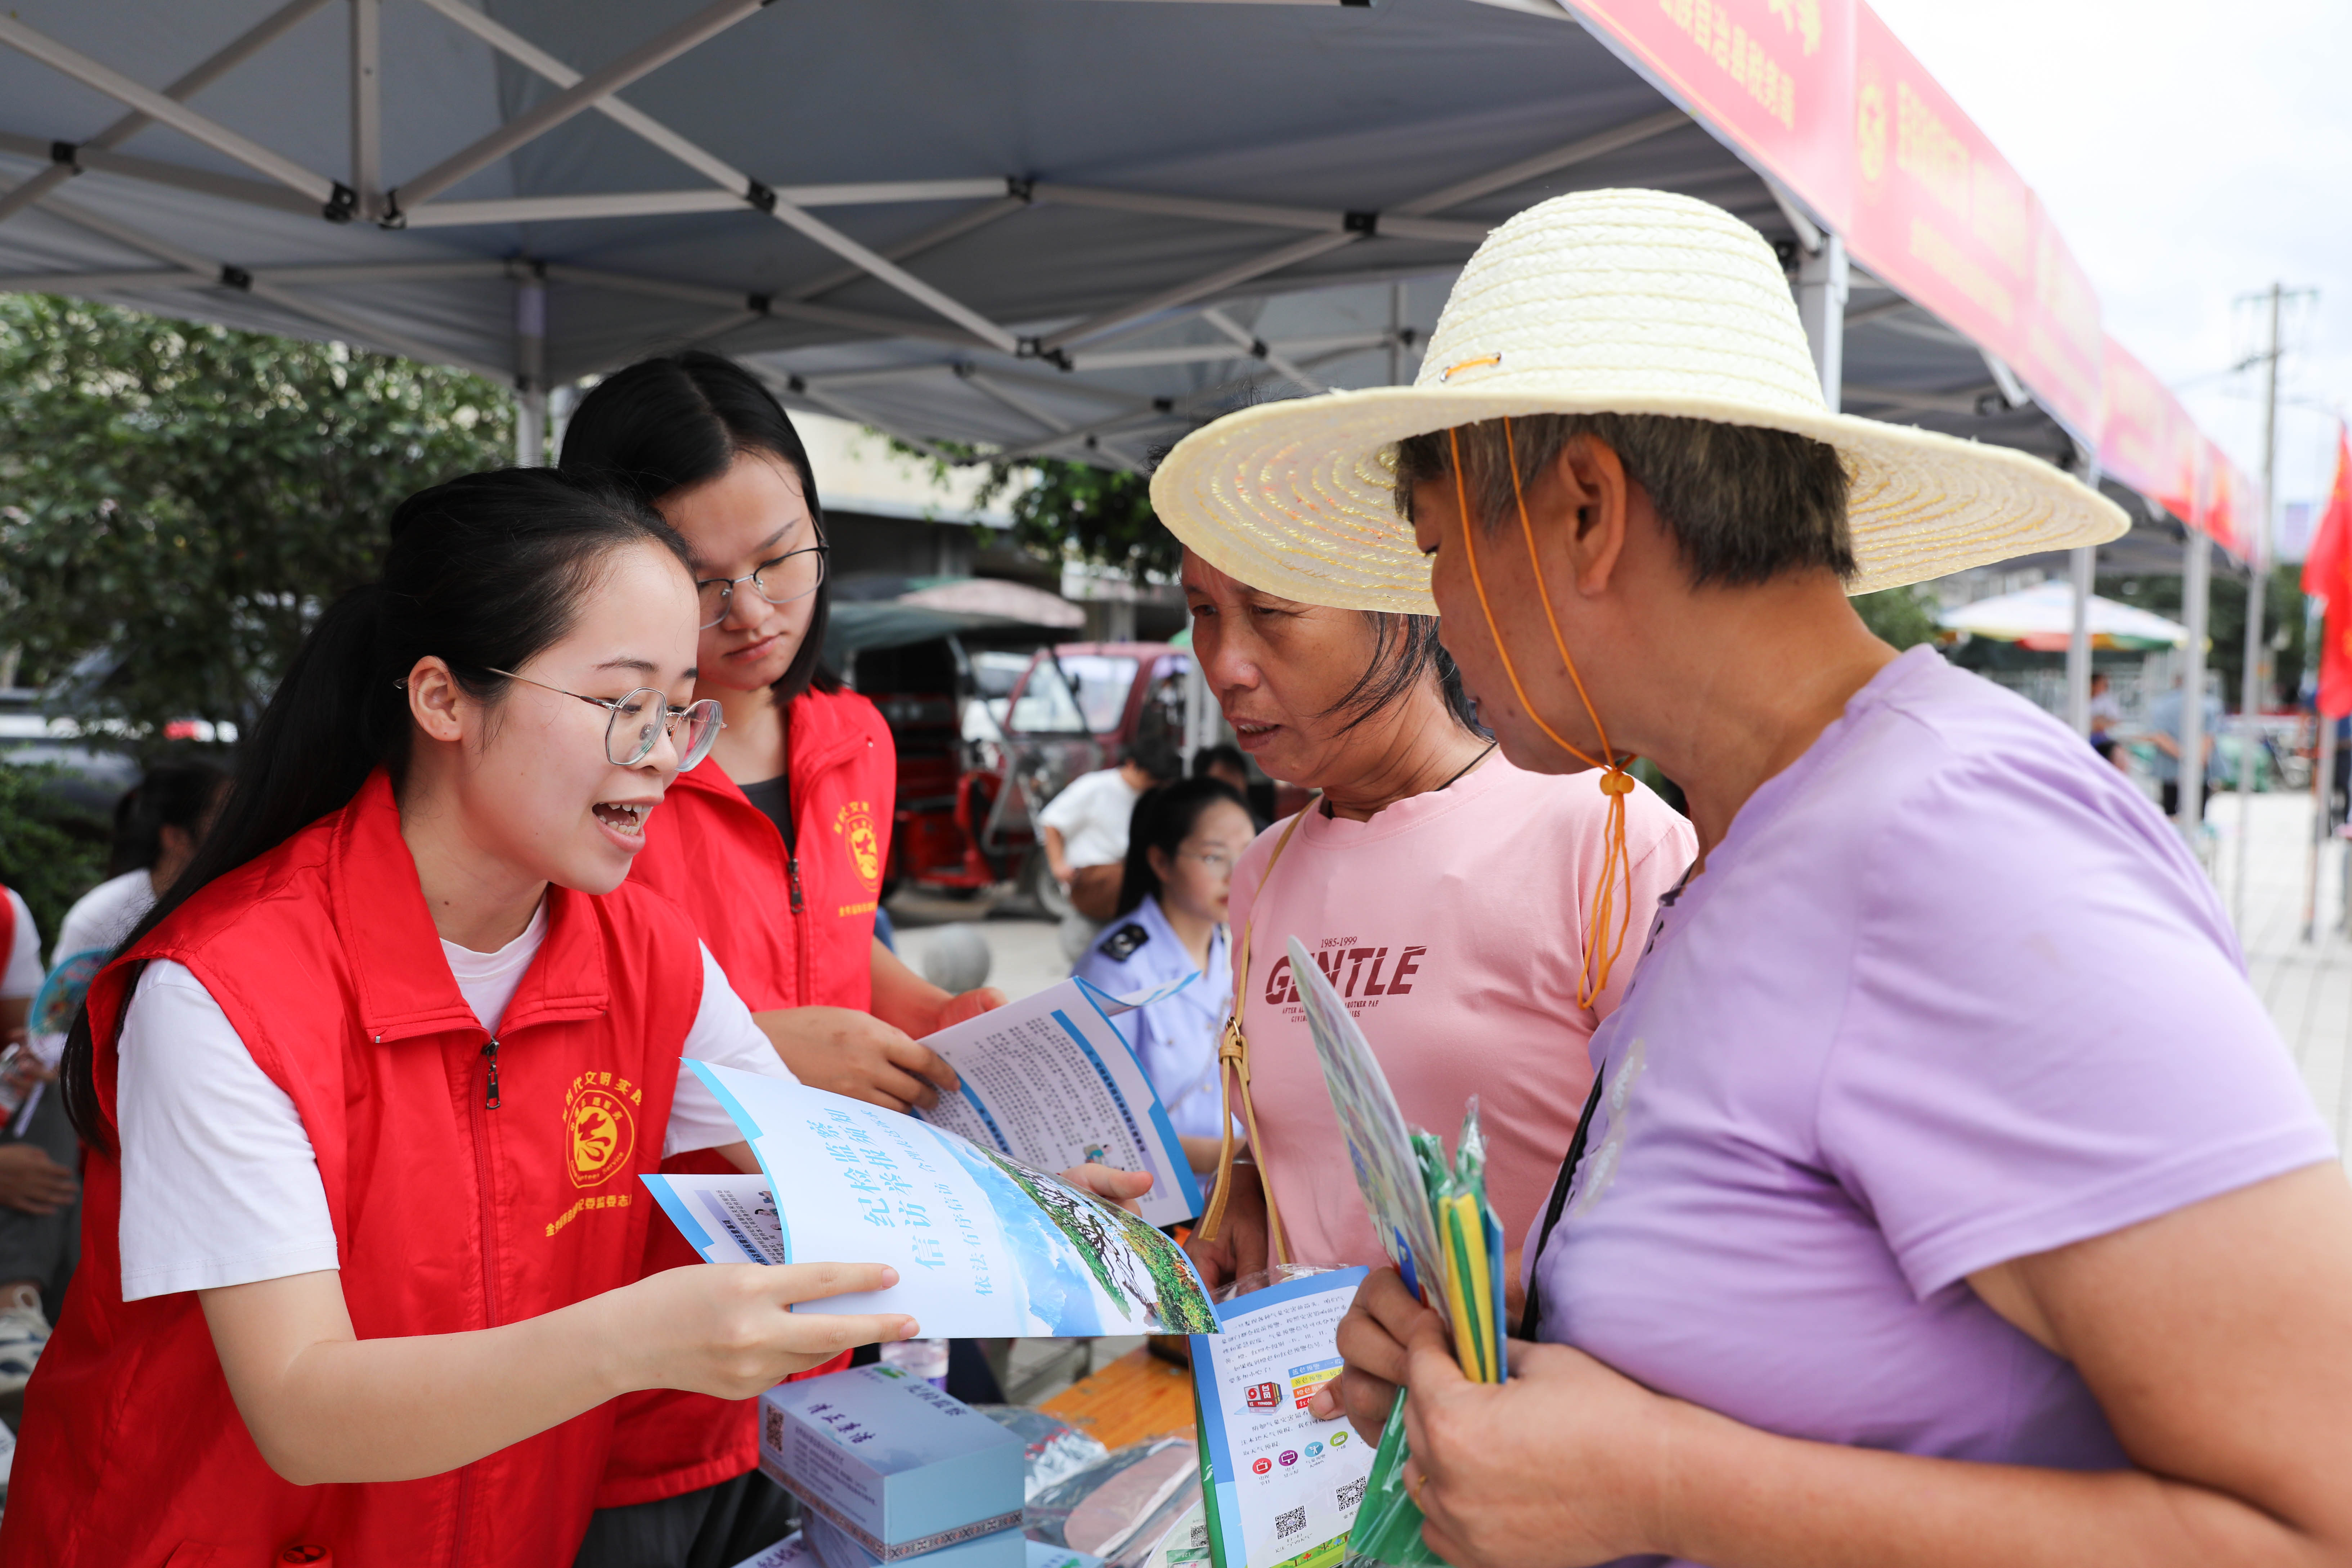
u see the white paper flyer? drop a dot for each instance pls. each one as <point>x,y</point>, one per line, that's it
<point>1050,1082</point>
<point>983,1244</point>
<point>1287,1486</point>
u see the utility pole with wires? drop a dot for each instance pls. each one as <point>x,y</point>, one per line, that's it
<point>2250,686</point>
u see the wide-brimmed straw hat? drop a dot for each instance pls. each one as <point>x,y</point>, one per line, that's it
<point>1600,302</point>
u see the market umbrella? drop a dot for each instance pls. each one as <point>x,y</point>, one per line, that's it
<point>2042,618</point>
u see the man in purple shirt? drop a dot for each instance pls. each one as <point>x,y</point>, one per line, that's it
<point>1946,1198</point>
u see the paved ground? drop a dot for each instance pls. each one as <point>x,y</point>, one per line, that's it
<point>2307,985</point>
<point>1024,951</point>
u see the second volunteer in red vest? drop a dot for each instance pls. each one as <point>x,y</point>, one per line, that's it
<point>775,847</point>
<point>369,1091</point>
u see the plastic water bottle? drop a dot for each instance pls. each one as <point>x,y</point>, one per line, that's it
<point>926,1359</point>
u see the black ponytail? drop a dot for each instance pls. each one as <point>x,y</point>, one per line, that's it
<point>681,420</point>
<point>486,571</point>
<point>1164,817</point>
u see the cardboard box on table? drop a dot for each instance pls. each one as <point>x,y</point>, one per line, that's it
<point>897,1465</point>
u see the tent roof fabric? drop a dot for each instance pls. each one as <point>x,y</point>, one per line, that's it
<point>1049,226</point>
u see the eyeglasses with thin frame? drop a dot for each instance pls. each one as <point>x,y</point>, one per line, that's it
<point>639,719</point>
<point>1219,862</point>
<point>794,575</point>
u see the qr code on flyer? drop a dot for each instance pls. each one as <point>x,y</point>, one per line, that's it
<point>1290,1524</point>
<point>1352,1494</point>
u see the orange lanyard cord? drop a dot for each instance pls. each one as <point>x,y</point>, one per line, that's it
<point>1601,950</point>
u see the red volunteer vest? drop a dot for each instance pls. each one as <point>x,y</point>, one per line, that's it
<point>450,1213</point>
<point>720,859</point>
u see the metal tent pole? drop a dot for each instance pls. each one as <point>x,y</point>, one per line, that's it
<point>530,373</point>
<point>367,106</point>
<point>2084,564</point>
<point>1396,334</point>
<point>2323,797</point>
<point>335,199</point>
<point>250,42</point>
<point>2250,684</point>
<point>1822,284</point>
<point>2196,589</point>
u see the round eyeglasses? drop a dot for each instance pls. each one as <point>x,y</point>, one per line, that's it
<point>796,574</point>
<point>639,721</point>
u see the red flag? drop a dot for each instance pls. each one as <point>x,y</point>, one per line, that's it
<point>2327,575</point>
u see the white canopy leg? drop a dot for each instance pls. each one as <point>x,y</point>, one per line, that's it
<point>2196,589</point>
<point>2084,565</point>
<point>530,373</point>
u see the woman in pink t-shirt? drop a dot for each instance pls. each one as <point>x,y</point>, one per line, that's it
<point>1443,891</point>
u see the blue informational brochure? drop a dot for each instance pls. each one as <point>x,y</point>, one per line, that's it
<point>1281,1488</point>
<point>983,1245</point>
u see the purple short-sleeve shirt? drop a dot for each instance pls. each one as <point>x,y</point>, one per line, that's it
<point>1950,992</point>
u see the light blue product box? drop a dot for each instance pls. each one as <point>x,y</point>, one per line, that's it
<point>837,1548</point>
<point>902,1468</point>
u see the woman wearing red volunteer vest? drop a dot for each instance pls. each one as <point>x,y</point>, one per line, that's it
<point>369,1091</point>
<point>775,847</point>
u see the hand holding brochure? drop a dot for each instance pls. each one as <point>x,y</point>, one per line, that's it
<point>1049,1081</point>
<point>983,1245</point>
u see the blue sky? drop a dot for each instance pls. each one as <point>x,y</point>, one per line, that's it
<point>2192,152</point>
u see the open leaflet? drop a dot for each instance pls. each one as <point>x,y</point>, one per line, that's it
<point>983,1245</point>
<point>1049,1081</point>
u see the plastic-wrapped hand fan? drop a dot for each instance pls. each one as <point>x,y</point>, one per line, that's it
<point>1388,1527</point>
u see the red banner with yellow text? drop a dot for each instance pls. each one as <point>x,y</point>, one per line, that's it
<point>2148,441</point>
<point>1774,78</point>
<point>2061,353</point>
<point>1937,212</point>
<point>2227,501</point>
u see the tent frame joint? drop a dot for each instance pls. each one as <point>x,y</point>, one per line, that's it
<point>1035,348</point>
<point>1367,223</point>
<point>760,195</point>
<point>342,204</point>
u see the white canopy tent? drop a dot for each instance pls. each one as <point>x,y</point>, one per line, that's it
<point>2042,618</point>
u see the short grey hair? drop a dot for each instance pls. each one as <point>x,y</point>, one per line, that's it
<point>1744,504</point>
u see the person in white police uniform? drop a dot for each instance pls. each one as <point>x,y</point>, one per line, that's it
<point>1182,847</point>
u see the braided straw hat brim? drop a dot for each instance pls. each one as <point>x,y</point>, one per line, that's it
<point>1602,303</point>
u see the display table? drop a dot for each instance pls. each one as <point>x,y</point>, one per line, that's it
<point>1135,1398</point>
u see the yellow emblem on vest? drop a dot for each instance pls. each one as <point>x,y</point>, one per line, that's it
<point>854,823</point>
<point>599,1129</point>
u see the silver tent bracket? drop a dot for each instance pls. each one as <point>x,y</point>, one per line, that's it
<point>92,153</point>
<point>336,200</point>
<point>198,269</point>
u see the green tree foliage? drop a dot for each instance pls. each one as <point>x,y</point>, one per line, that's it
<point>2283,623</point>
<point>1063,510</point>
<point>178,502</point>
<point>1903,617</point>
<point>51,850</point>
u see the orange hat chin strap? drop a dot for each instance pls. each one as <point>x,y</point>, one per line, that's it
<point>1603,944</point>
